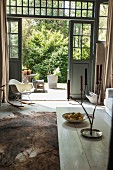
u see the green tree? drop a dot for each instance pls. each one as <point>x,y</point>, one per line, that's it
<point>46,49</point>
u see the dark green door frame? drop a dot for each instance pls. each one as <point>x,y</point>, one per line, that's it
<point>14,26</point>
<point>77,67</point>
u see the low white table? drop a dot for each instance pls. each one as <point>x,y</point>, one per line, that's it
<point>77,152</point>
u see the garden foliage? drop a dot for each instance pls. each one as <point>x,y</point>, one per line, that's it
<point>46,48</point>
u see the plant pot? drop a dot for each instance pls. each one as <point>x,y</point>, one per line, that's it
<point>52,81</point>
<point>28,72</point>
<point>24,72</point>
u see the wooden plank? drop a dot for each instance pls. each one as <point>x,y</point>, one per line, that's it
<point>96,152</point>
<point>69,142</point>
<point>78,152</point>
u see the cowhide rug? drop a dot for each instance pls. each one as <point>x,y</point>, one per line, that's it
<point>29,142</point>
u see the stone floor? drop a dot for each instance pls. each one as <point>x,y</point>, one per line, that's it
<point>57,94</point>
<point>39,106</point>
<point>51,106</point>
<point>51,101</point>
<point>57,98</point>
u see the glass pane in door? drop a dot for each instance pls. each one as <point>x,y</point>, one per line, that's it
<point>13,42</point>
<point>81,41</point>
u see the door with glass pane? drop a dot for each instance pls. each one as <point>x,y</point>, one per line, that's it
<point>15,48</point>
<point>80,55</point>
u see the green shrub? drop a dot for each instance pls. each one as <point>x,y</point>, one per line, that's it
<point>47,50</point>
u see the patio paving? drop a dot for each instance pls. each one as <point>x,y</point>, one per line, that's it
<point>60,93</point>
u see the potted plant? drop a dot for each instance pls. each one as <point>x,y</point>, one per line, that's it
<point>35,79</point>
<point>53,78</point>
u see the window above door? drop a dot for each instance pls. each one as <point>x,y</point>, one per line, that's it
<point>51,8</point>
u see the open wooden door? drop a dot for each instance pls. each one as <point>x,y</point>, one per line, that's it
<point>15,49</point>
<point>80,55</point>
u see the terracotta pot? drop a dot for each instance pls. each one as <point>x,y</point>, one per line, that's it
<point>25,72</point>
<point>28,72</point>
